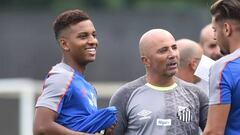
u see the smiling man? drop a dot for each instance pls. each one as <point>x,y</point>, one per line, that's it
<point>159,103</point>
<point>68,103</point>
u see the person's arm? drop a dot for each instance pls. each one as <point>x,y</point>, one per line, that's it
<point>110,131</point>
<point>44,124</point>
<point>203,99</point>
<point>221,83</point>
<point>217,119</point>
<point>119,101</point>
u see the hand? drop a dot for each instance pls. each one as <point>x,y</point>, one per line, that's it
<point>109,131</point>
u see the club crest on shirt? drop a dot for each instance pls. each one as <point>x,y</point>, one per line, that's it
<point>184,114</point>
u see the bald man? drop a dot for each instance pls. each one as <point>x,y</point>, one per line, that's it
<point>159,103</point>
<point>210,48</point>
<point>190,56</point>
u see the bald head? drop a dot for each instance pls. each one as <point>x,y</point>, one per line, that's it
<point>190,55</point>
<point>207,33</point>
<point>152,37</point>
<point>208,44</point>
<point>188,50</point>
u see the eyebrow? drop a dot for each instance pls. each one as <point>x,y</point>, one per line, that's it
<point>85,32</point>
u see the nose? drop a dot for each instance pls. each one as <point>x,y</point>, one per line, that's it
<point>92,40</point>
<point>173,53</point>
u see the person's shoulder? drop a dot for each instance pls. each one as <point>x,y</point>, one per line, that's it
<point>59,75</point>
<point>187,86</point>
<point>61,69</point>
<point>131,86</point>
<point>191,88</point>
<point>225,60</point>
<point>221,61</point>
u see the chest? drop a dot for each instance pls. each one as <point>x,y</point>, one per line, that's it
<point>81,95</point>
<point>162,109</point>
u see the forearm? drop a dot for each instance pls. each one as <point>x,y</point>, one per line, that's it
<point>55,129</point>
<point>209,132</point>
<point>217,119</point>
<point>44,124</point>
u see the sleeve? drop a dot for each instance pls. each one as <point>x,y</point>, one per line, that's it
<point>97,121</point>
<point>119,100</point>
<point>220,85</point>
<point>203,99</point>
<point>54,90</point>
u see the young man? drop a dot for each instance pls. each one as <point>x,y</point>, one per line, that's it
<point>67,105</point>
<point>159,103</point>
<point>209,46</point>
<point>224,109</point>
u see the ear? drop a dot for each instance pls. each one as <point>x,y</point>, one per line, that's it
<point>64,44</point>
<point>193,64</point>
<point>145,61</point>
<point>227,29</point>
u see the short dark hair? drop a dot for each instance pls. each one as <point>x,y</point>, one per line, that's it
<point>226,9</point>
<point>68,18</point>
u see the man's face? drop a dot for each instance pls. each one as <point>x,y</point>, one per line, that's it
<point>219,36</point>
<point>211,49</point>
<point>82,42</point>
<point>163,58</point>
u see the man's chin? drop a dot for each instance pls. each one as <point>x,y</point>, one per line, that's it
<point>90,60</point>
<point>171,74</point>
<point>86,62</point>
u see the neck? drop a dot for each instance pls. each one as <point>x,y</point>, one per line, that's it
<point>156,80</point>
<point>185,75</point>
<point>74,65</point>
<point>234,47</point>
<point>234,43</point>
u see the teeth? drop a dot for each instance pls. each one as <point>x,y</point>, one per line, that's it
<point>91,49</point>
<point>172,64</point>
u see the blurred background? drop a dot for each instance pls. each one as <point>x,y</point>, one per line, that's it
<point>28,48</point>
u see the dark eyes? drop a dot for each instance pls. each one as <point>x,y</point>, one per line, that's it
<point>86,35</point>
<point>94,35</point>
<point>165,49</point>
<point>174,47</point>
<point>82,35</point>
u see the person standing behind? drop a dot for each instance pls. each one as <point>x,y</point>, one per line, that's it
<point>209,46</point>
<point>68,103</point>
<point>224,109</point>
<point>190,54</point>
<point>158,103</point>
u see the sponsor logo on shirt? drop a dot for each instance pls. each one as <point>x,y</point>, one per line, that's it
<point>184,114</point>
<point>164,122</point>
<point>144,114</point>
